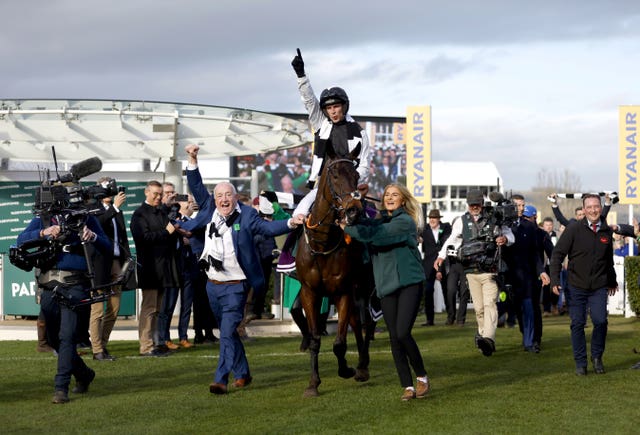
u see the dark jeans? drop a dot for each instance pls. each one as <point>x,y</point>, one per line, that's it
<point>62,324</point>
<point>529,315</point>
<point>400,310</point>
<point>596,302</point>
<point>169,301</point>
<point>186,302</point>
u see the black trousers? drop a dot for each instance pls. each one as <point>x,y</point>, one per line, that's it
<point>429,289</point>
<point>400,310</point>
<point>456,284</point>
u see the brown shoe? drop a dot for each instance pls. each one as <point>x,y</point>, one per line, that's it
<point>408,395</point>
<point>171,345</point>
<point>242,382</point>
<point>44,348</point>
<point>185,344</point>
<point>422,389</point>
<point>216,388</point>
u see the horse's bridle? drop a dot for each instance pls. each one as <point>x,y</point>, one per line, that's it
<point>336,206</point>
<point>338,197</point>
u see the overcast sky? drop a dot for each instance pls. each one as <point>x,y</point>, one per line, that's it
<point>528,85</point>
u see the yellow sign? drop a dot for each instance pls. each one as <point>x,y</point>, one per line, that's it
<point>628,182</point>
<point>418,135</point>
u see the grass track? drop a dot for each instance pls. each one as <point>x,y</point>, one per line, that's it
<point>510,392</point>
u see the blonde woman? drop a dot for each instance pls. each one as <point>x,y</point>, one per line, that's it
<point>397,268</point>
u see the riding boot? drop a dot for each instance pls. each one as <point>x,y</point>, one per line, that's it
<point>43,346</point>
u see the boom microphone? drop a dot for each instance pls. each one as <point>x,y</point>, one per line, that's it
<point>82,169</point>
<point>496,197</point>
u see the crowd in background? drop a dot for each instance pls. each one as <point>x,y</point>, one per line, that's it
<point>288,170</point>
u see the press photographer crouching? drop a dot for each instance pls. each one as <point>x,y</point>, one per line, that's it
<point>53,243</point>
<point>478,237</point>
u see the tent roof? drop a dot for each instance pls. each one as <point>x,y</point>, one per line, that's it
<point>116,130</point>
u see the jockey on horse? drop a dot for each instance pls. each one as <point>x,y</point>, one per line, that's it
<point>334,128</point>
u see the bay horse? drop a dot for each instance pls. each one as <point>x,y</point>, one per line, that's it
<point>327,264</point>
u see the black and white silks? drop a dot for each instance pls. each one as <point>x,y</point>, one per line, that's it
<point>349,132</point>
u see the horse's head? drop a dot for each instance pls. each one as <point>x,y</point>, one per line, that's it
<point>341,186</point>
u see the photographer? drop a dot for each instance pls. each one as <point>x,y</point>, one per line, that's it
<point>63,284</point>
<point>171,207</point>
<point>107,269</point>
<point>479,236</point>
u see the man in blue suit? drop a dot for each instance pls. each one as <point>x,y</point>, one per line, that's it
<point>232,263</point>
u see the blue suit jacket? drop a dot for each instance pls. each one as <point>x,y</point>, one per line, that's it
<point>244,228</point>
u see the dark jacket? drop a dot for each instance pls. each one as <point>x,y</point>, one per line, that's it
<point>155,248</point>
<point>393,245</point>
<point>102,262</point>
<point>523,258</point>
<point>590,256</point>
<point>431,247</point>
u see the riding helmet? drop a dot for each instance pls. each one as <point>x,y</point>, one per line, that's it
<point>334,95</point>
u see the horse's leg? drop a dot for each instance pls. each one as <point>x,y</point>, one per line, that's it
<point>357,314</point>
<point>344,307</point>
<point>310,303</point>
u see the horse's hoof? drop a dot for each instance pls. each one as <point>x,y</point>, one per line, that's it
<point>310,392</point>
<point>362,375</point>
<point>347,373</point>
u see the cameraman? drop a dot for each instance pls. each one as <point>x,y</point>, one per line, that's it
<point>478,225</point>
<point>70,281</point>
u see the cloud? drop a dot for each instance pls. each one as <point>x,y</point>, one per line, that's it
<point>507,81</point>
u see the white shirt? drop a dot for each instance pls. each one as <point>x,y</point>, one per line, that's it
<point>116,247</point>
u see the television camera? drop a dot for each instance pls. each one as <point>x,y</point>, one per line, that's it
<point>63,201</point>
<point>482,251</point>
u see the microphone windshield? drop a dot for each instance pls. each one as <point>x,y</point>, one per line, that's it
<point>83,169</point>
<point>496,196</point>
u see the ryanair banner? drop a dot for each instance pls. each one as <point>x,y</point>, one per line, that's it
<point>628,183</point>
<point>418,134</point>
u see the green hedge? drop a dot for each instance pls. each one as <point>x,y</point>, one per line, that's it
<point>631,275</point>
